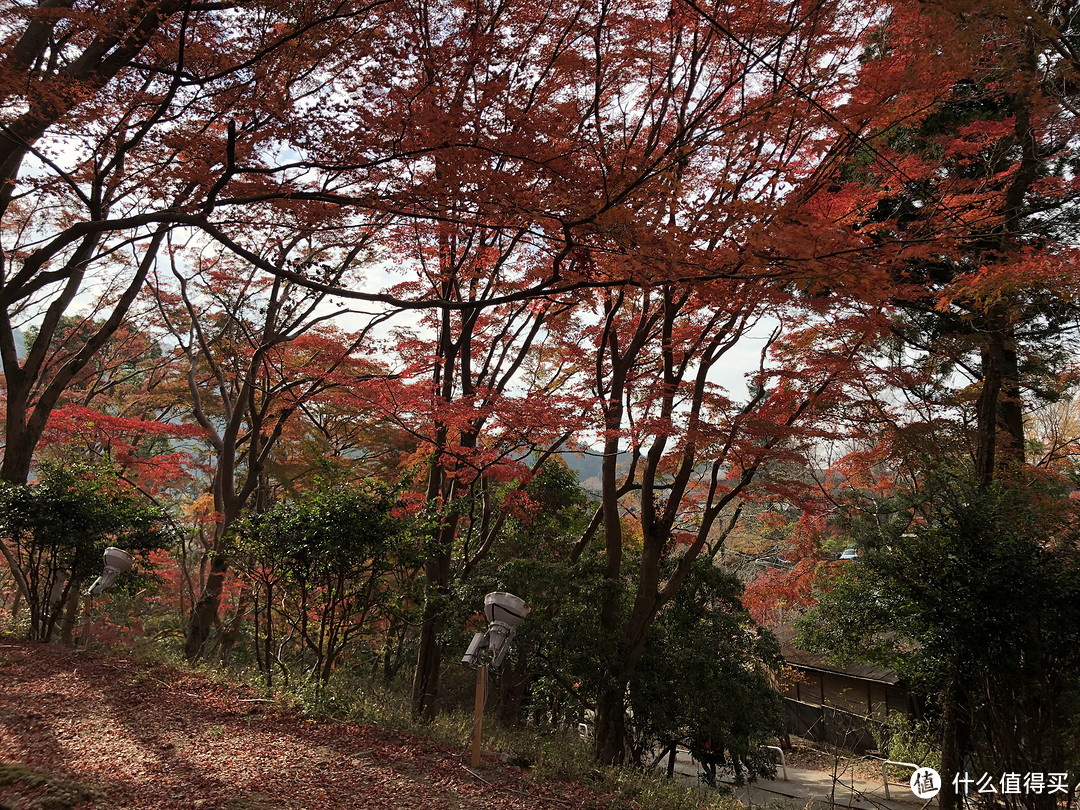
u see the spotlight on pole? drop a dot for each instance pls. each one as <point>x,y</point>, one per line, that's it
<point>505,613</point>
<point>117,561</point>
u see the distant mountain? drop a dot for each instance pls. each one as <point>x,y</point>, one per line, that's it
<point>589,465</point>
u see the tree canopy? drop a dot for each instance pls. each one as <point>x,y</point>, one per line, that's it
<point>772,265</point>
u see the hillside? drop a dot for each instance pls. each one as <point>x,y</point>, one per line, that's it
<point>90,730</point>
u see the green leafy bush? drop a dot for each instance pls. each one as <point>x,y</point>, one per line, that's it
<point>54,532</point>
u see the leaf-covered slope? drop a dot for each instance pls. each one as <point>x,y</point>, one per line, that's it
<point>88,730</point>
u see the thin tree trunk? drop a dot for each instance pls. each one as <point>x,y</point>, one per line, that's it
<point>425,686</point>
<point>228,638</point>
<point>71,616</point>
<point>513,685</point>
<point>269,648</point>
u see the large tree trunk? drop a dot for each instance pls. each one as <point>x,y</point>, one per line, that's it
<point>611,725</point>
<point>611,731</point>
<point>1011,411</point>
<point>610,703</point>
<point>955,742</point>
<point>999,412</point>
<point>425,687</point>
<point>18,448</point>
<point>229,636</point>
<point>204,613</point>
<point>230,504</point>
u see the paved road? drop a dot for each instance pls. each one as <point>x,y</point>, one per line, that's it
<point>815,787</point>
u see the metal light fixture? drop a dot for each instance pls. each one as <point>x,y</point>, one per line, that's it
<point>117,561</point>
<point>505,613</point>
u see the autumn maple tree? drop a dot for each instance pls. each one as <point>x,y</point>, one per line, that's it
<point>255,350</point>
<point>964,194</point>
<point>119,410</point>
<point>716,242</point>
<point>776,251</point>
<point>120,123</point>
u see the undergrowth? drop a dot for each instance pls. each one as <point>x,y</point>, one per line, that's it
<point>549,754</point>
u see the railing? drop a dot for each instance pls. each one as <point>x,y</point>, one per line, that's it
<point>783,760</point>
<point>884,776</point>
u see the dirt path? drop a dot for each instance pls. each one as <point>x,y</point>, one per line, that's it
<point>87,730</point>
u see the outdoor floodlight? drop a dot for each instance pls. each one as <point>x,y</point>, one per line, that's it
<point>505,612</point>
<point>117,561</point>
<point>506,608</point>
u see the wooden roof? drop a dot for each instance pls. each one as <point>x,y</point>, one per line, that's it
<point>816,661</point>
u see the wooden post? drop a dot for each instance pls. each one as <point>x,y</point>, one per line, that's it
<point>478,714</point>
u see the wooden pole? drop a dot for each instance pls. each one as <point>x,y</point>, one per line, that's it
<point>478,714</point>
